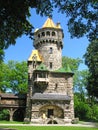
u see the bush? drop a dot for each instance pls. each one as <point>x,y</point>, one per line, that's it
<point>94,115</point>
<point>4,114</point>
<point>82,109</point>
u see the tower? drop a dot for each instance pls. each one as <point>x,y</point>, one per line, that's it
<point>50,95</point>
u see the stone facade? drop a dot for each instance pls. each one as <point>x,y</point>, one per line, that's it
<point>50,87</point>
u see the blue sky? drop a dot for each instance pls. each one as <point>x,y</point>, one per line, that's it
<point>74,48</point>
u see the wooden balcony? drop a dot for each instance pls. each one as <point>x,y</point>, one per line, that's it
<point>43,80</point>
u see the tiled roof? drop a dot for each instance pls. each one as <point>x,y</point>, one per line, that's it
<point>10,95</point>
<point>60,70</point>
<point>50,24</point>
<point>42,67</point>
<point>63,70</point>
<point>36,54</point>
<point>48,96</point>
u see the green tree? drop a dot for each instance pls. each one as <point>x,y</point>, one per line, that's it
<point>80,83</point>
<point>82,109</point>
<point>14,22</point>
<point>4,114</point>
<point>14,18</point>
<point>73,63</point>
<point>91,60</point>
<point>79,76</point>
<point>14,77</point>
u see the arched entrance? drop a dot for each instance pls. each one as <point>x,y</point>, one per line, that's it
<point>51,111</point>
<point>18,115</point>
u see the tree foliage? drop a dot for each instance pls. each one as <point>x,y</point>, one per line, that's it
<point>91,60</point>
<point>14,77</point>
<point>79,76</point>
<point>14,19</point>
<point>73,63</point>
<point>4,114</point>
<point>80,83</point>
<point>14,16</point>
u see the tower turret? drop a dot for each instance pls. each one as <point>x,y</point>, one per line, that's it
<point>48,41</point>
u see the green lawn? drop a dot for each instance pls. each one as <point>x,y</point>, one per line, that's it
<point>49,128</point>
<point>10,122</point>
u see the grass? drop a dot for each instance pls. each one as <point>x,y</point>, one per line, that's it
<point>42,127</point>
<point>49,128</point>
<point>10,122</point>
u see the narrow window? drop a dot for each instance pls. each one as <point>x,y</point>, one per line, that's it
<point>56,85</point>
<point>38,35</point>
<point>48,33</point>
<point>53,33</point>
<point>50,65</point>
<point>51,50</point>
<point>43,34</point>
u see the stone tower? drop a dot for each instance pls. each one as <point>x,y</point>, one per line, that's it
<point>50,86</point>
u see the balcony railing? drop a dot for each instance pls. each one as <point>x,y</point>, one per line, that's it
<point>41,80</point>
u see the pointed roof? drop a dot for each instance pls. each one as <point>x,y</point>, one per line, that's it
<point>35,53</point>
<point>58,25</point>
<point>42,67</point>
<point>50,24</point>
<point>64,70</point>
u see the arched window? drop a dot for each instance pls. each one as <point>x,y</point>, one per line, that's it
<point>38,35</point>
<point>53,33</point>
<point>48,33</point>
<point>43,34</point>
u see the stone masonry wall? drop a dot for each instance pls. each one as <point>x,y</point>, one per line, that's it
<point>55,57</point>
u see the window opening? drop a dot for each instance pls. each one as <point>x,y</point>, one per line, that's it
<point>48,33</point>
<point>38,35</point>
<point>50,113</point>
<point>51,50</point>
<point>34,59</point>
<point>50,65</point>
<point>56,85</point>
<point>43,33</point>
<point>42,75</point>
<point>53,33</point>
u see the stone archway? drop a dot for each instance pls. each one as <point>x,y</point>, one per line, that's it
<point>50,111</point>
<point>18,115</point>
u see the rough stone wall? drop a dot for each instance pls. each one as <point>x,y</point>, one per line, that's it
<point>40,107</point>
<point>55,57</point>
<point>57,84</point>
<point>64,86</point>
<point>70,93</point>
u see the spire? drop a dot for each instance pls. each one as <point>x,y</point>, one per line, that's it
<point>68,69</point>
<point>58,25</point>
<point>49,23</point>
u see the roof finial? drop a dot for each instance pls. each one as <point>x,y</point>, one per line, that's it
<point>50,16</point>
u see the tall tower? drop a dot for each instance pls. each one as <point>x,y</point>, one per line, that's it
<point>48,42</point>
<point>50,86</point>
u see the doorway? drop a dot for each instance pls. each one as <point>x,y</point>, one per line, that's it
<point>50,113</point>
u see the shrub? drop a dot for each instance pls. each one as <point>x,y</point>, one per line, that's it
<point>4,114</point>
